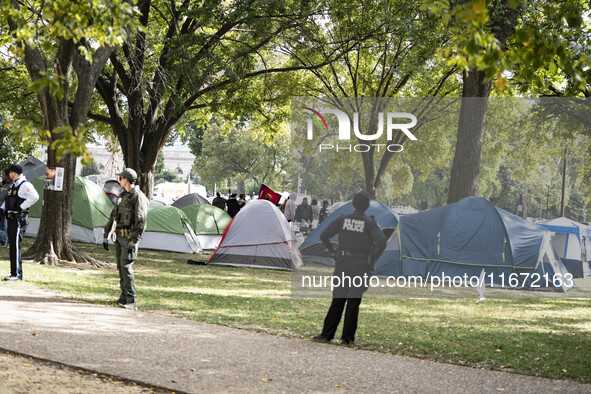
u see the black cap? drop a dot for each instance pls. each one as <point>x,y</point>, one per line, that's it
<point>361,201</point>
<point>15,168</point>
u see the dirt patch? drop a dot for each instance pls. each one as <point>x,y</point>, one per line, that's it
<point>20,374</point>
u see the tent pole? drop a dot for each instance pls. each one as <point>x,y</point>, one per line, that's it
<point>563,185</point>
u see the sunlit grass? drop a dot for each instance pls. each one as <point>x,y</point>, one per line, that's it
<point>548,337</point>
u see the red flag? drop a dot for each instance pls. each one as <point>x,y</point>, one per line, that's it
<point>268,194</point>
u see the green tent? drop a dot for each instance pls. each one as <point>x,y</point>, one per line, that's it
<point>90,211</point>
<point>168,228</point>
<point>208,222</point>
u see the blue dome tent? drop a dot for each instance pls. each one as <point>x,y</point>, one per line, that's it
<point>471,235</point>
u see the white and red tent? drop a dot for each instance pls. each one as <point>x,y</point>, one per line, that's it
<point>259,236</point>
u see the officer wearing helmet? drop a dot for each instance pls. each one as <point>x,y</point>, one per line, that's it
<point>126,226</point>
<point>360,240</point>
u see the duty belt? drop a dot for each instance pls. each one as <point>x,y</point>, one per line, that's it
<point>346,253</point>
<point>124,231</point>
<point>13,215</point>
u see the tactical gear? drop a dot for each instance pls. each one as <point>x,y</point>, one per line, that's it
<point>129,174</point>
<point>345,253</point>
<point>13,201</point>
<point>354,234</point>
<point>124,232</point>
<point>128,218</point>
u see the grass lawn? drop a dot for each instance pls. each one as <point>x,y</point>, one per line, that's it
<point>541,336</point>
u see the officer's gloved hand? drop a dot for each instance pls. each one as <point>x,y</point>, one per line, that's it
<point>106,244</point>
<point>131,249</point>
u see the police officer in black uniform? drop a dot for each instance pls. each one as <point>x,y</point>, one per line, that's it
<point>359,236</point>
<point>21,196</point>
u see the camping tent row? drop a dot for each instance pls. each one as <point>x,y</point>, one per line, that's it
<point>571,242</point>
<point>168,228</point>
<point>463,239</point>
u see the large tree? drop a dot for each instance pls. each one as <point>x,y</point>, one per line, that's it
<point>395,60</point>
<point>237,154</point>
<point>200,55</point>
<point>64,45</point>
<point>531,39</point>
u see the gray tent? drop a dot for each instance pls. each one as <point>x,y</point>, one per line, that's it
<point>33,168</point>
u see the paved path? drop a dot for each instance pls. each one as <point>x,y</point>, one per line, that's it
<point>187,356</point>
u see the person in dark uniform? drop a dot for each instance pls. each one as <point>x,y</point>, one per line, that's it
<point>233,206</point>
<point>21,196</point>
<point>4,189</point>
<point>128,223</point>
<point>219,201</point>
<point>323,212</point>
<point>359,236</point>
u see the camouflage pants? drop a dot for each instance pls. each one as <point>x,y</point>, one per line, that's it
<point>125,262</point>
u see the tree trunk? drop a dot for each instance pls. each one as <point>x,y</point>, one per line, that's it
<point>466,164</point>
<point>146,181</point>
<point>240,187</point>
<point>54,241</point>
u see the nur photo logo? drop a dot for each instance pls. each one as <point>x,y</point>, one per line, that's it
<point>393,121</point>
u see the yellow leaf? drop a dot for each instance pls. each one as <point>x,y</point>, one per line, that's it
<point>498,350</point>
<point>265,380</point>
<point>501,83</point>
<point>338,385</point>
<point>564,370</point>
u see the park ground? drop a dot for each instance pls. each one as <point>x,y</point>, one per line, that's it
<point>539,334</point>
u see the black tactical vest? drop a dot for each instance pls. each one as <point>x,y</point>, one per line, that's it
<point>13,201</point>
<point>354,235</point>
